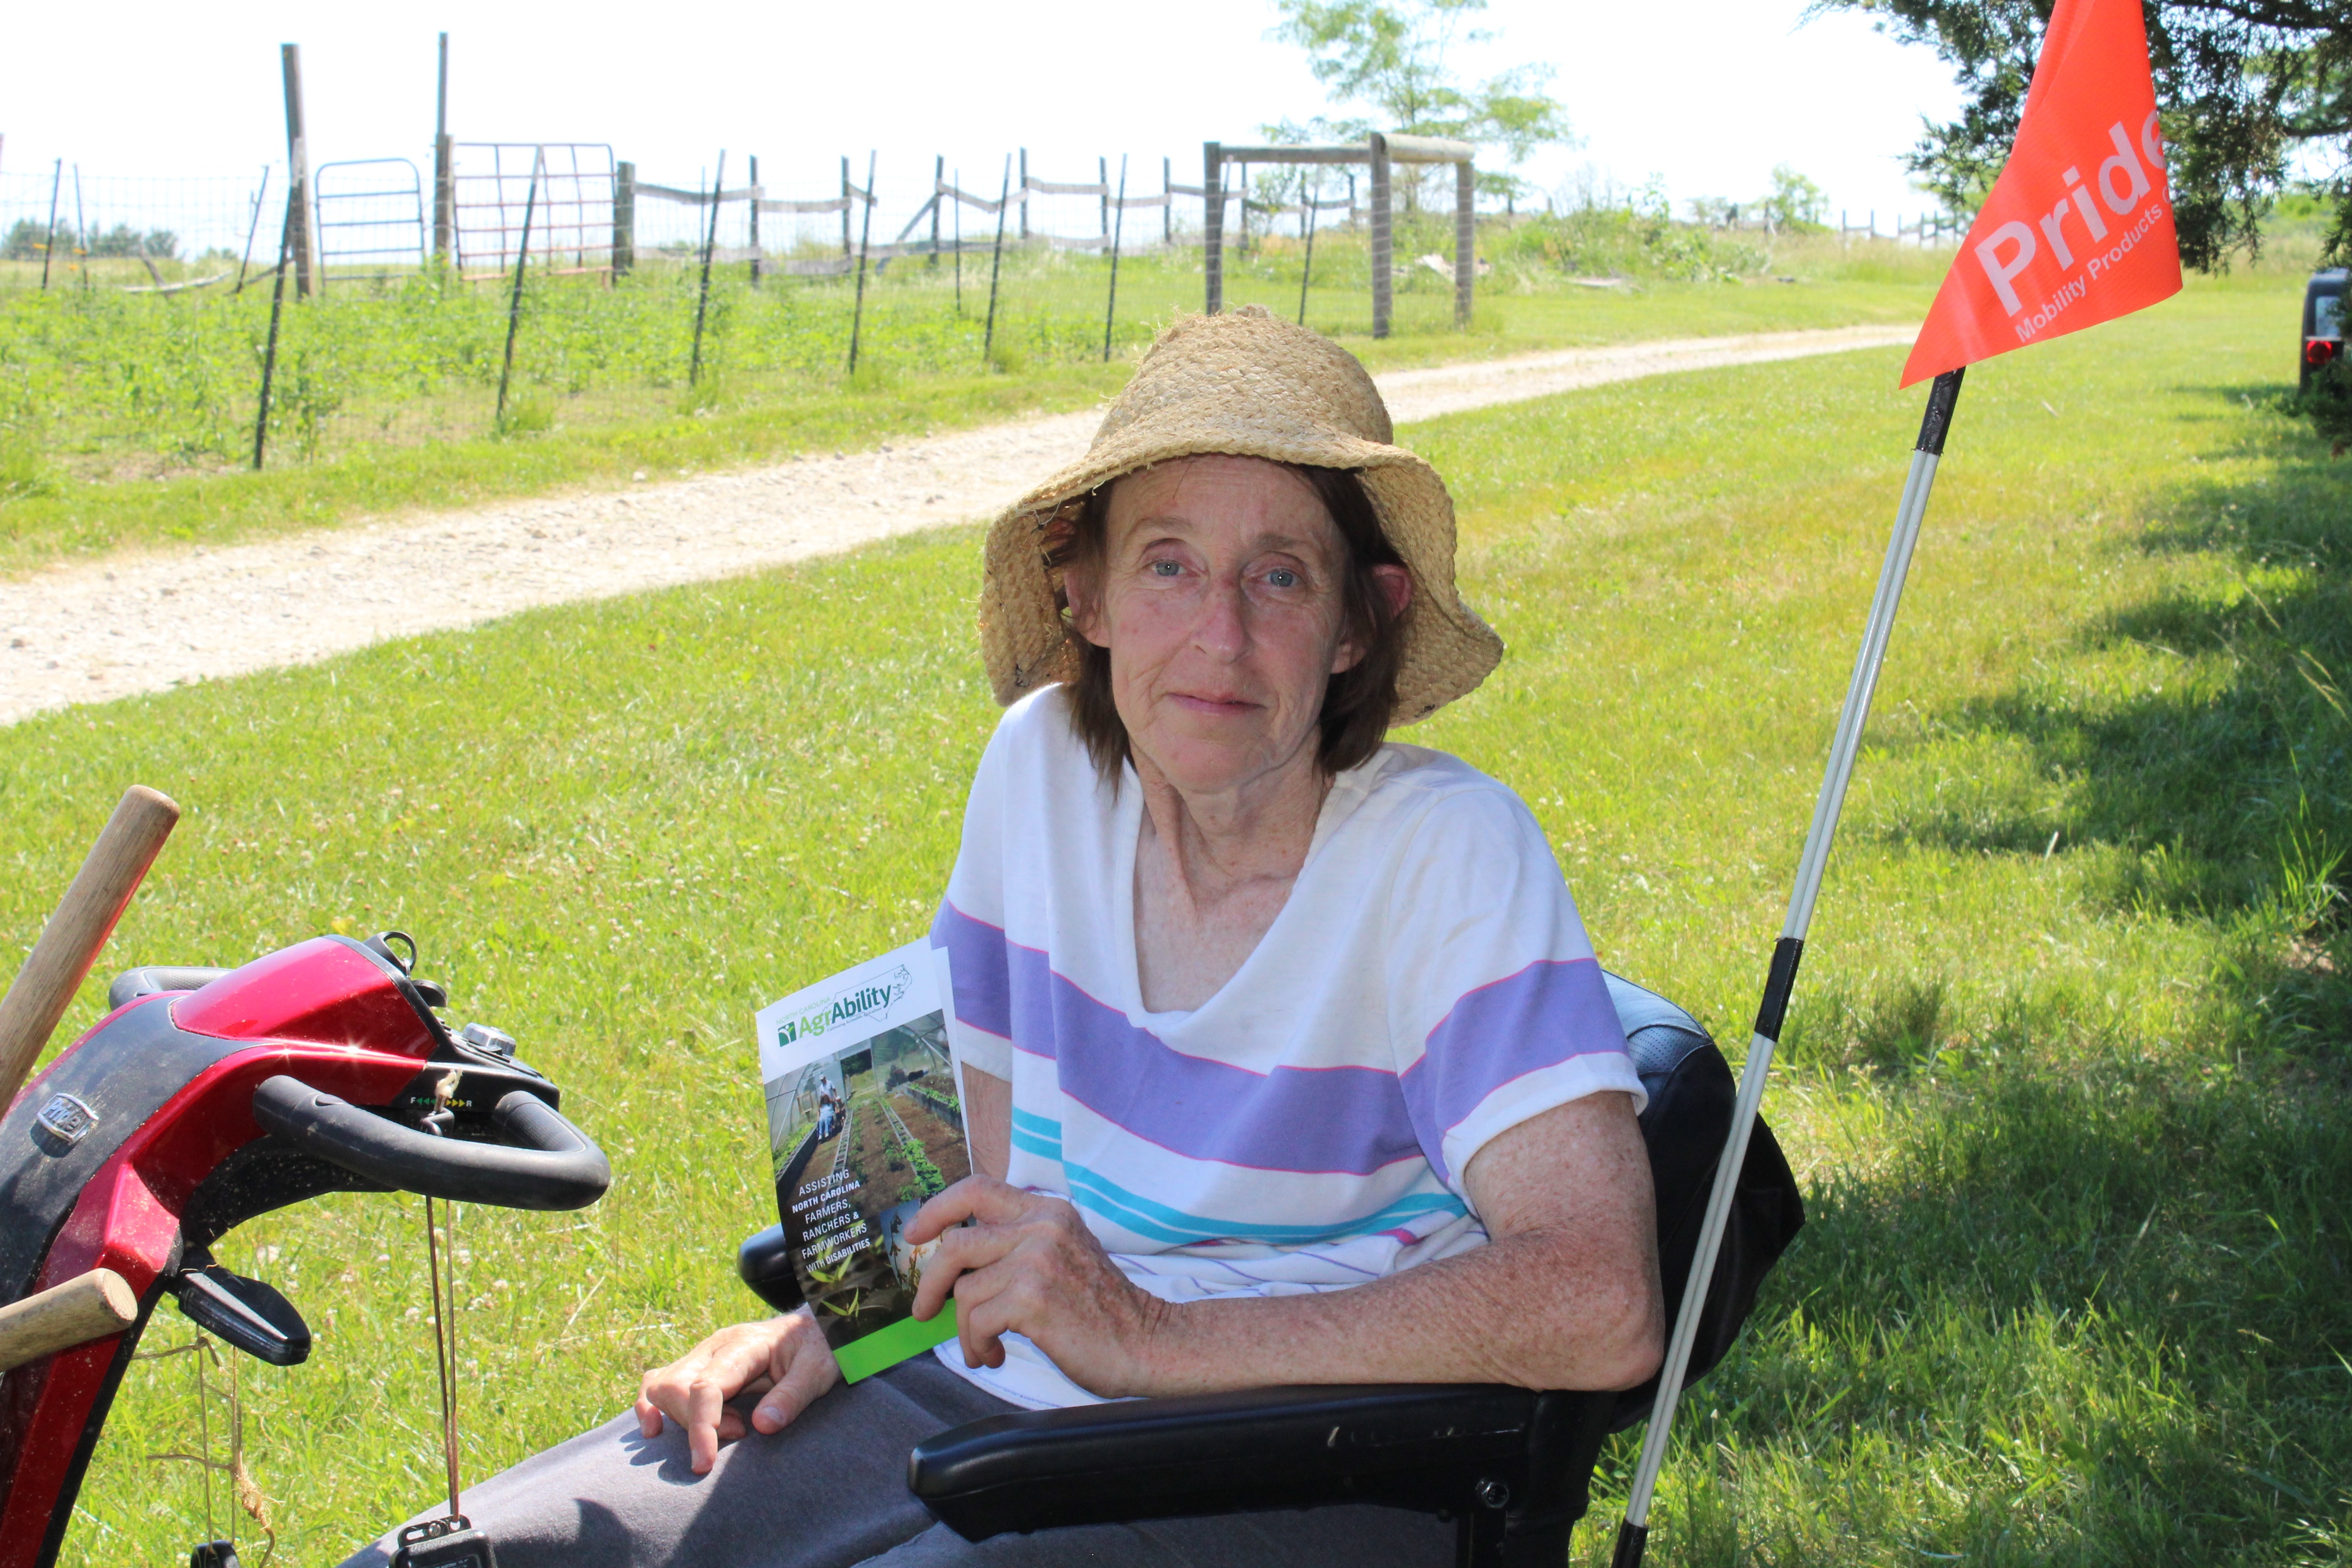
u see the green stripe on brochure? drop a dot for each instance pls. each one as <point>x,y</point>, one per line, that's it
<point>886,1348</point>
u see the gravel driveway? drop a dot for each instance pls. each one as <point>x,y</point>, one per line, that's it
<point>87,632</point>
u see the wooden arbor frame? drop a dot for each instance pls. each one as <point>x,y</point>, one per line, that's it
<point>1379,152</point>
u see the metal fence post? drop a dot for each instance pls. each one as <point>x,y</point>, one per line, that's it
<point>1465,241</point>
<point>625,220</point>
<point>1110,310</point>
<point>1307,271</point>
<point>253,228</point>
<point>269,354</point>
<point>1024,193</point>
<point>865,234</point>
<point>938,175</point>
<point>1102,178</point>
<point>1167,203</point>
<point>1213,225</point>
<point>1383,301</point>
<point>56,184</point>
<point>444,191</point>
<point>757,255</point>
<point>996,261</point>
<point>710,241</point>
<point>514,300</point>
<point>844,207</point>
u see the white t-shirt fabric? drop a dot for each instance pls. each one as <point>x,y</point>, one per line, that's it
<point>1427,985</point>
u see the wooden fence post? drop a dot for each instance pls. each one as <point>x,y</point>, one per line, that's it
<point>1465,241</point>
<point>625,220</point>
<point>844,207</point>
<point>1102,178</point>
<point>297,167</point>
<point>1024,193</point>
<point>1213,224</point>
<point>754,199</point>
<point>939,173</point>
<point>1167,203</point>
<point>1383,301</point>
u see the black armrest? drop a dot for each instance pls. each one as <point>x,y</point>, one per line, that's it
<point>1518,1459</point>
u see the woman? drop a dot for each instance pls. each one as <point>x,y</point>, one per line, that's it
<point>1284,1056</point>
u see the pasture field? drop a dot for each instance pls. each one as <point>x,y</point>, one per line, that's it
<point>128,420</point>
<point>2065,1081</point>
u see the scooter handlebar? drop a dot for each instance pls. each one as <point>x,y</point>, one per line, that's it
<point>539,1161</point>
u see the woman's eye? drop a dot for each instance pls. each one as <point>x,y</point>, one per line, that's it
<point>1164,569</point>
<point>1282,577</point>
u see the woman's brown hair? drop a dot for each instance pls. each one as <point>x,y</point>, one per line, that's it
<point>1356,702</point>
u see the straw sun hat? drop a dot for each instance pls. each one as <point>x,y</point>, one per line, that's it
<point>1242,383</point>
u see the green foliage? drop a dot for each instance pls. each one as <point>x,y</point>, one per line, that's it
<point>27,239</point>
<point>1796,202</point>
<point>2329,404</point>
<point>2248,88</point>
<point>927,1175</point>
<point>2076,1281</point>
<point>139,410</point>
<point>1389,55</point>
<point>1634,239</point>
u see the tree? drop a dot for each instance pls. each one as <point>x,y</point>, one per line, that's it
<point>1389,55</point>
<point>2244,86</point>
<point>1795,202</point>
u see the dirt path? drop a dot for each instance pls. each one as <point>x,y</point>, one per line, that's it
<point>90,632</point>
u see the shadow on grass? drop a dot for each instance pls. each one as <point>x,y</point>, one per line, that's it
<point>2104,1311</point>
<point>2228,786</point>
<point>2085,1299</point>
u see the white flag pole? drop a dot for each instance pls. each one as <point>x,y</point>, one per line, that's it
<point>1632,1534</point>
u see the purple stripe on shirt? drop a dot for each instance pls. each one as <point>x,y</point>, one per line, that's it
<point>1541,1017</point>
<point>1312,1121</point>
<point>1340,1119</point>
<point>984,996</point>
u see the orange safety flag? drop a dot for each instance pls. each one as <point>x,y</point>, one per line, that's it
<point>2078,228</point>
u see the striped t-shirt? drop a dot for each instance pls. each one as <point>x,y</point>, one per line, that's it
<point>1426,987</point>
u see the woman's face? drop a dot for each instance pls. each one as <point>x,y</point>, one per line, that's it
<point>1218,595</point>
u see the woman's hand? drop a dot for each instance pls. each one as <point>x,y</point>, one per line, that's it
<point>785,1360</point>
<point>1029,1264</point>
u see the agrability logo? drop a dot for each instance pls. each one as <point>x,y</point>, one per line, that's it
<point>847,1006</point>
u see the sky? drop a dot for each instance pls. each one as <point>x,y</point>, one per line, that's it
<point>1708,95</point>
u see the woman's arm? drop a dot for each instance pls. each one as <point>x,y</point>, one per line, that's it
<point>1565,1296</point>
<point>988,1121</point>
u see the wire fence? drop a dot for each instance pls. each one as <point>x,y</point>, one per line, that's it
<point>532,286</point>
<point>149,326</point>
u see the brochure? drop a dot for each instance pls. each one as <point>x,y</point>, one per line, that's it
<point>864,1123</point>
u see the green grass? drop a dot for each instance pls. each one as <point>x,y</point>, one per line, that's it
<point>2070,1114</point>
<point>127,421</point>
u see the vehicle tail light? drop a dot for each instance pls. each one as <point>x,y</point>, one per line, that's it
<point>2319,351</point>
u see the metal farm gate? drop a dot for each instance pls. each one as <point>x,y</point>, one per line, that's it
<point>571,215</point>
<point>370,213</point>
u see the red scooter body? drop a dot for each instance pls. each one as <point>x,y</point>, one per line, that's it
<point>139,1147</point>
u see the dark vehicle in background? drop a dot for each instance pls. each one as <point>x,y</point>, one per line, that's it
<point>2323,323</point>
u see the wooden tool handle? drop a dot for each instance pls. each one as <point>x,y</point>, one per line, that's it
<point>88,1307</point>
<point>69,944</point>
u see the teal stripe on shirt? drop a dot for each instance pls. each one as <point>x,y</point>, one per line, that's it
<point>1132,1212</point>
